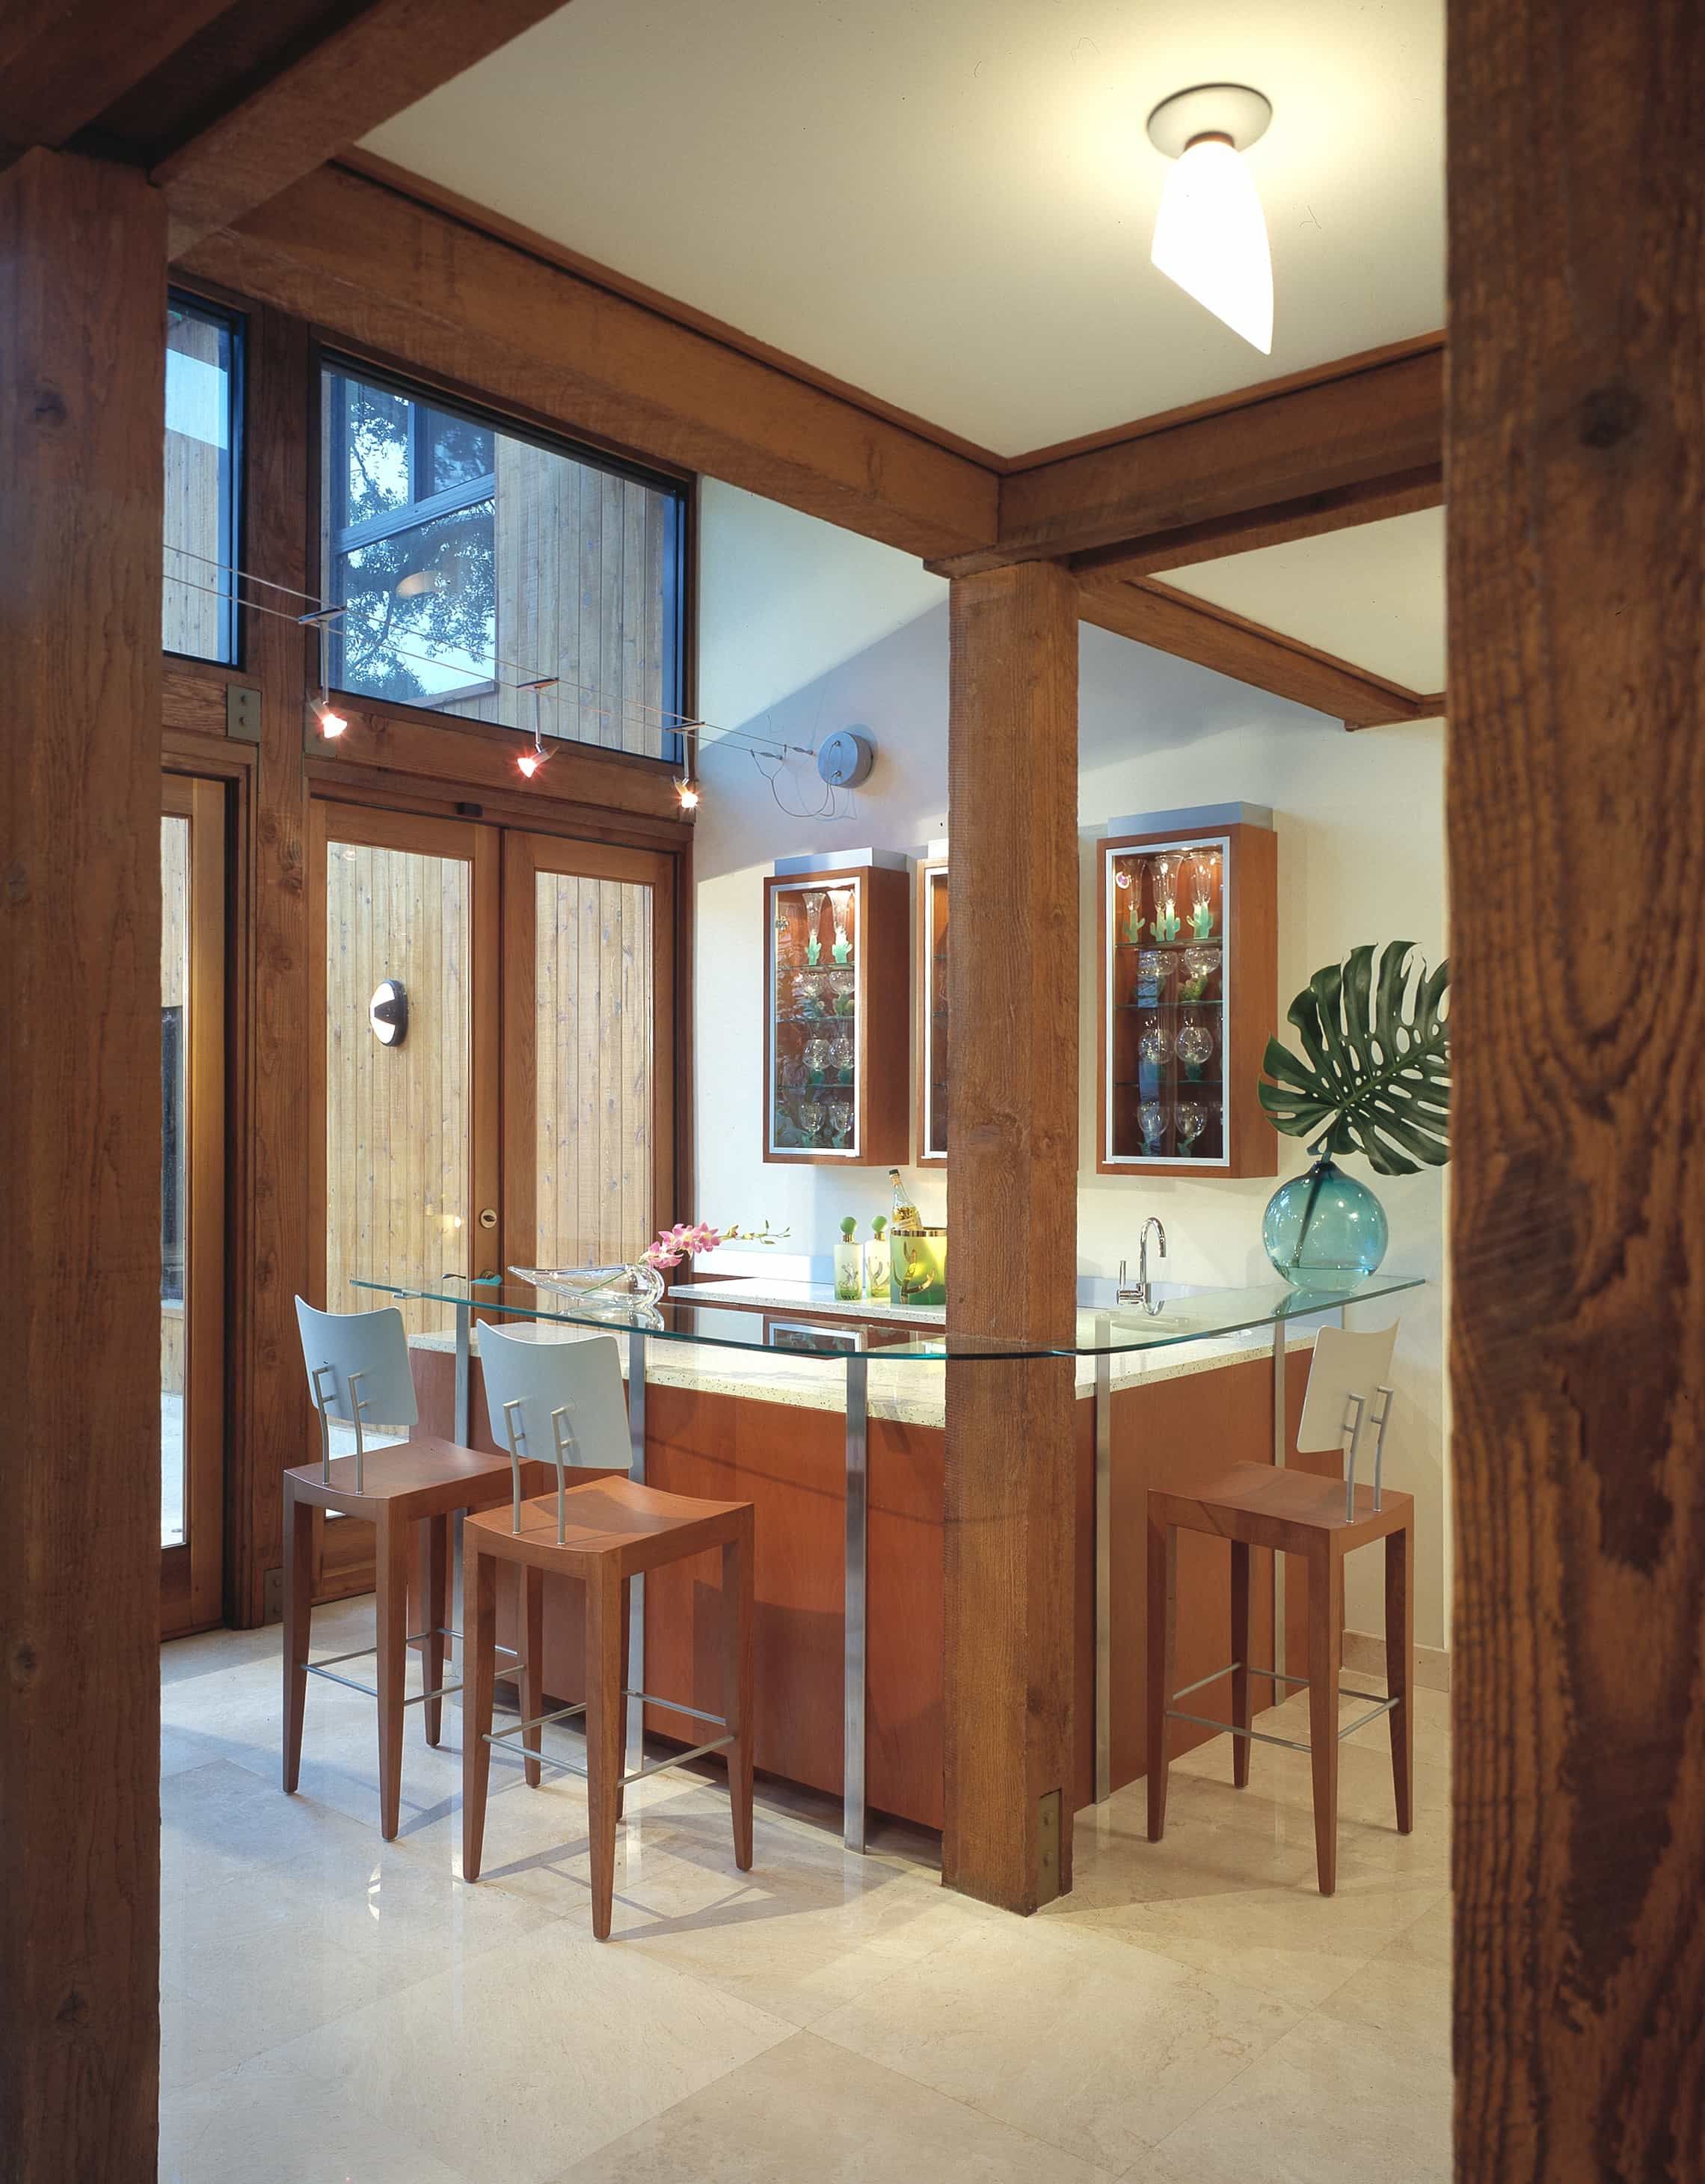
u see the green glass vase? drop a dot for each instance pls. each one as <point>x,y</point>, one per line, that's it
<point>1324,1230</point>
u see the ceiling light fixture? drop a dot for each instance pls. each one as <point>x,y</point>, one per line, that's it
<point>1210,234</point>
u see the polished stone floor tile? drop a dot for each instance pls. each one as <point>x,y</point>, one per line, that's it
<point>1093,2045</point>
<point>517,2063</point>
<point>266,2125</point>
<point>809,2109</point>
<point>1330,2103</point>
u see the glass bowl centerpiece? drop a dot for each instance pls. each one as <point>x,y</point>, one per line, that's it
<point>1373,1078</point>
<point>621,1288</point>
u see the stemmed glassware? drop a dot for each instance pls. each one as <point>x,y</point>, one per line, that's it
<point>818,1057</point>
<point>1153,970</point>
<point>812,1121</point>
<point>814,913</point>
<point>1200,967</point>
<point>840,1121</point>
<point>1203,874</point>
<point>1167,924</point>
<point>840,905</point>
<point>1152,1116</point>
<point>1192,1121</point>
<point>1194,1046</point>
<point>841,1054</point>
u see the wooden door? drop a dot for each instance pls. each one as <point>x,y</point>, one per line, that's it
<point>589,1005</point>
<point>192,1056</point>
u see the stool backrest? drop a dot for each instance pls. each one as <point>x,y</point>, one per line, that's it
<point>1348,1371</point>
<point>555,1402</point>
<point>358,1373</point>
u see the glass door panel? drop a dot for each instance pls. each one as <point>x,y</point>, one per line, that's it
<point>402,1186</point>
<point>192,1204</point>
<point>588,1003</point>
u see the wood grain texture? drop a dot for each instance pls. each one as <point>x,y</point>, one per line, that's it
<point>81,264</point>
<point>1213,636</point>
<point>1012,1197</point>
<point>62,65</point>
<point>1247,459</point>
<point>1309,515</point>
<point>931,1040</point>
<point>384,59</point>
<point>271,1410</point>
<point>374,268</point>
<point>1576,592</point>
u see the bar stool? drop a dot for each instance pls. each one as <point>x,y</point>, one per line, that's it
<point>358,1370</point>
<point>565,1398</point>
<point>1259,1505</point>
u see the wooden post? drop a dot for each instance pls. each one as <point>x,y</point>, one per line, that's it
<point>82,418</point>
<point>1012,1140</point>
<point>1576,815</point>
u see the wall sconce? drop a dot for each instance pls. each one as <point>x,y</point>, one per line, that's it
<point>388,1013</point>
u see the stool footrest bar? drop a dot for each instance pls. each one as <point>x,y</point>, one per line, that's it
<point>1272,1675</point>
<point>539,1721</point>
<point>678,1705</point>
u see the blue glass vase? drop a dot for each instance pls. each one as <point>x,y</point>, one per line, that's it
<point>1324,1230</point>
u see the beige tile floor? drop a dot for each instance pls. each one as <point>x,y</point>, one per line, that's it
<point>339,2010</point>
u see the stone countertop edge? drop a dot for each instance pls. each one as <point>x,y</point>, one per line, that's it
<point>905,1394</point>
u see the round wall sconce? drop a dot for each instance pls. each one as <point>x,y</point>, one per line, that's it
<point>845,758</point>
<point>388,1013</point>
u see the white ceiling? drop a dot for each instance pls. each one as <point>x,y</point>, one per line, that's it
<point>1374,595</point>
<point>948,203</point>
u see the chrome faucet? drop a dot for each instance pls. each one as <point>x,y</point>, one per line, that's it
<point>1142,1294</point>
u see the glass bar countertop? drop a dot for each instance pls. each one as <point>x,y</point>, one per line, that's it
<point>1184,1316</point>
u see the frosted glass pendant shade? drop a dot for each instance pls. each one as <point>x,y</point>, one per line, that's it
<point>1210,237</point>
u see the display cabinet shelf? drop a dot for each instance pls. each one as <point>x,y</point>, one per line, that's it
<point>1189,946</point>
<point>837,1037</point>
<point>933,1020</point>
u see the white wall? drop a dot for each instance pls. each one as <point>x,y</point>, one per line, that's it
<point>804,629</point>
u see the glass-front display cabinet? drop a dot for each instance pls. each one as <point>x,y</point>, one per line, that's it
<point>1190,996</point>
<point>930,985</point>
<point>837,1044</point>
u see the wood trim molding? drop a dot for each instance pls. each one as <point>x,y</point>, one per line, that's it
<point>1213,637</point>
<point>61,67</point>
<point>385,58</point>
<point>374,268</point>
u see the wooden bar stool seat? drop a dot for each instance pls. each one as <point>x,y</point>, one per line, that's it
<point>565,1396</point>
<point>1322,1520</point>
<point>357,1369</point>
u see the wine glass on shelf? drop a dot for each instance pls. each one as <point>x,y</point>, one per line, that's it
<point>840,1121</point>
<point>1204,867</point>
<point>841,1054</point>
<point>1153,970</point>
<point>1194,1046</point>
<point>1200,966</point>
<point>818,1057</point>
<point>1153,1051</point>
<point>840,908</point>
<point>812,1121</point>
<point>814,916</point>
<point>1192,1121</point>
<point>1151,1117</point>
<point>1167,924</point>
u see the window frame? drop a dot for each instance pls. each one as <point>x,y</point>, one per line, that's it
<point>676,492</point>
<point>231,469</point>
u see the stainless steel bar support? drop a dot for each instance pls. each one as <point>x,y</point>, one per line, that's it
<point>853,1669</point>
<point>1104,1564</point>
<point>1281,1451</point>
<point>634,1741</point>
<point>460,1422</point>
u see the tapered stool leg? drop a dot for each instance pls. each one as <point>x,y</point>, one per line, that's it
<point>1399,1667</point>
<point>1162,1618</point>
<point>1240,1713</point>
<point>479,1657</point>
<point>391,1560</point>
<point>737,1686</point>
<point>432,1590</point>
<point>604,1737</point>
<point>298,1617</point>
<point>1325,1668</point>
<point>531,1681</point>
<point>626,1626</point>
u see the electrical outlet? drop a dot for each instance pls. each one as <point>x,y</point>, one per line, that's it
<point>272,1596</point>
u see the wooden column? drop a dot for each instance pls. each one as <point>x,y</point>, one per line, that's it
<point>1576,812</point>
<point>82,410</point>
<point>1013,1214</point>
<point>273,1419</point>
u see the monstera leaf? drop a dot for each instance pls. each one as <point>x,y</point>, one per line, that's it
<point>1376,1078</point>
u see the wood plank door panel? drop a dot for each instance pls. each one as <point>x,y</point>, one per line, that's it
<point>589,1007</point>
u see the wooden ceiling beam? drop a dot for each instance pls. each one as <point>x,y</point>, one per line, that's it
<point>387,58</point>
<point>1349,445</point>
<point>62,66</point>
<point>393,278</point>
<point>1191,629</point>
